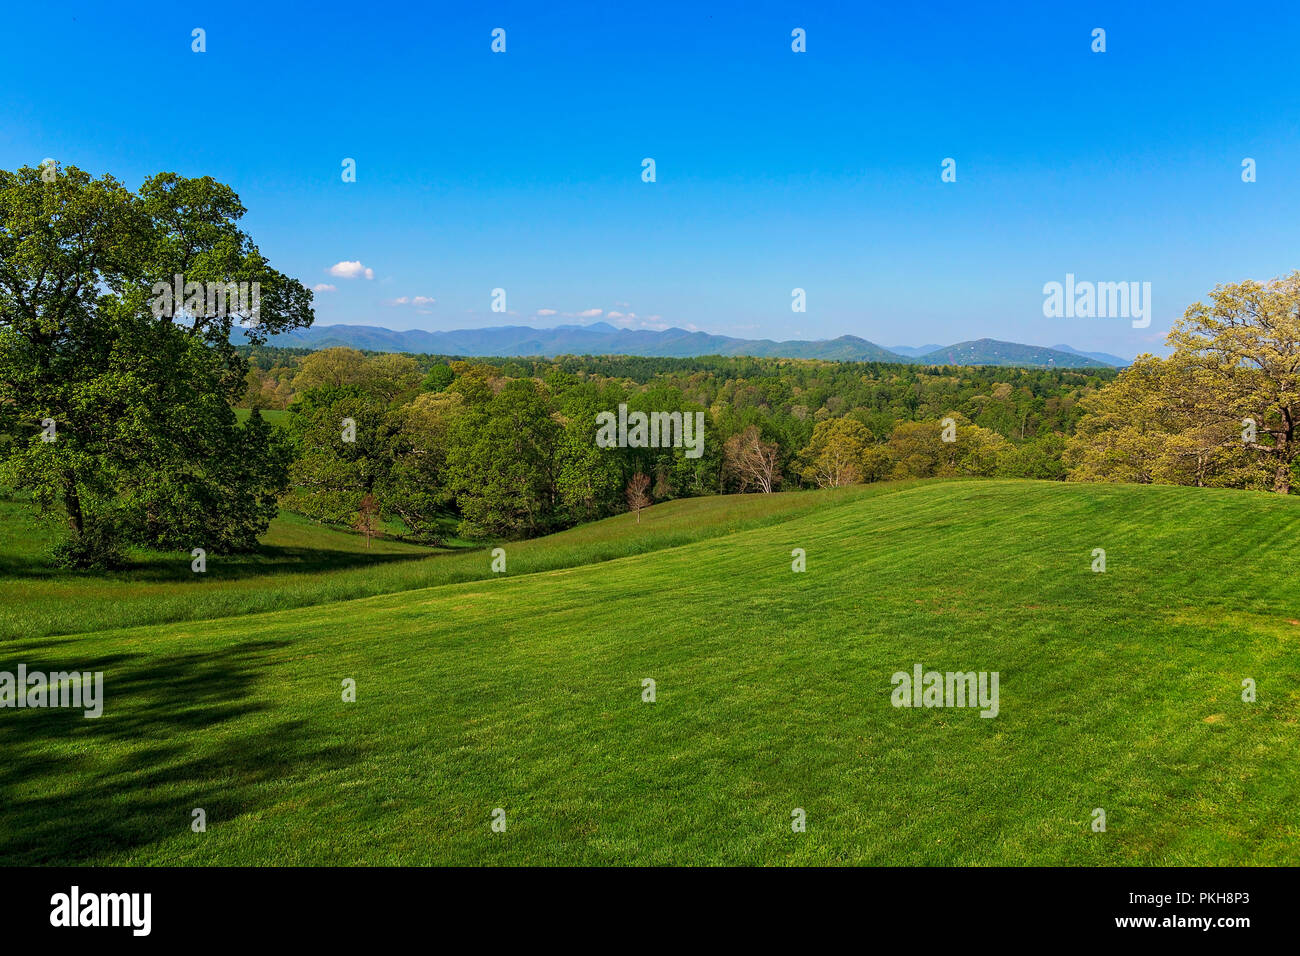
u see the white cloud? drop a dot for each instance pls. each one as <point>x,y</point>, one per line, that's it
<point>324,287</point>
<point>351,270</point>
<point>546,312</point>
<point>591,313</point>
<point>423,300</point>
<point>613,315</point>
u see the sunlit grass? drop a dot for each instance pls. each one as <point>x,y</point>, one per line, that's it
<point>1120,690</point>
<point>304,563</point>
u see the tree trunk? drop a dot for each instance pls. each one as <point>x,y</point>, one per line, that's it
<point>1282,479</point>
<point>72,502</point>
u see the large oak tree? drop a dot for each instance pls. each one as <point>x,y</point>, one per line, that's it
<point>1223,409</point>
<point>113,411</point>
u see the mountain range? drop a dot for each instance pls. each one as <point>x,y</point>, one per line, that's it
<point>601,338</point>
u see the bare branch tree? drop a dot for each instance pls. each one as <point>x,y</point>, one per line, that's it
<point>637,498</point>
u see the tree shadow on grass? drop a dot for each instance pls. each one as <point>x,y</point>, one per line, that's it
<point>173,737</point>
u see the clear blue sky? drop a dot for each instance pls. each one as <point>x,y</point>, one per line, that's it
<point>775,170</point>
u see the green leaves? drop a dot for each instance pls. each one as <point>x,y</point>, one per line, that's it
<point>147,447</point>
<point>1221,411</point>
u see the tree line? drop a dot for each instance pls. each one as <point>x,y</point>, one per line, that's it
<point>507,448</point>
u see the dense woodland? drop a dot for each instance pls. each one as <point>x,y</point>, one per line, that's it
<point>508,446</point>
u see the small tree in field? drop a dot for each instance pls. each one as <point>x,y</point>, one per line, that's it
<point>637,496</point>
<point>367,522</point>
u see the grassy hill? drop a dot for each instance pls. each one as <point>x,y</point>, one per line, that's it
<point>1119,690</point>
<point>303,563</point>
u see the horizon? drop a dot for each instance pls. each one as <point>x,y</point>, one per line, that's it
<point>775,170</point>
<point>614,329</point>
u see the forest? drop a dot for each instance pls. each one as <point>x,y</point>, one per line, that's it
<point>506,448</point>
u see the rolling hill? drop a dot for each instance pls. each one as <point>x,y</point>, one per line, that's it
<point>993,352</point>
<point>601,338</point>
<point>523,693</point>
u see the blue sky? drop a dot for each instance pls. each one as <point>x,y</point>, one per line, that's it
<point>775,170</point>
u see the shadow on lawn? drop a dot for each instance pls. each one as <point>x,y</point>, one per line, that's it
<point>166,730</point>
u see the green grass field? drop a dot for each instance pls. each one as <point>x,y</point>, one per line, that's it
<point>523,691</point>
<point>303,563</point>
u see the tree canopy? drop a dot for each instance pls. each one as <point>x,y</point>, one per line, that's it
<point>1221,410</point>
<point>117,411</point>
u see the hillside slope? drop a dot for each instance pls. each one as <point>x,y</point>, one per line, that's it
<point>302,563</point>
<point>1120,691</point>
<point>1013,354</point>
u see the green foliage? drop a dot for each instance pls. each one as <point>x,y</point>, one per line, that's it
<point>589,478</point>
<point>437,378</point>
<point>1041,459</point>
<point>919,449</point>
<point>1221,411</point>
<point>503,463</point>
<point>784,400</point>
<point>508,468</point>
<point>841,453</point>
<point>146,447</point>
<point>97,548</point>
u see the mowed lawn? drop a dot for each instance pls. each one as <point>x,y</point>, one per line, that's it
<point>301,563</point>
<point>1120,691</point>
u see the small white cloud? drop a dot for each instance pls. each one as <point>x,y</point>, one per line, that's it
<point>324,287</point>
<point>546,312</point>
<point>613,315</point>
<point>351,270</point>
<point>591,313</point>
<point>423,300</point>
<point>400,301</point>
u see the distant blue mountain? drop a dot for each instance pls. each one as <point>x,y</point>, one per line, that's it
<point>914,351</point>
<point>1104,357</point>
<point>993,352</point>
<point>601,338</point>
